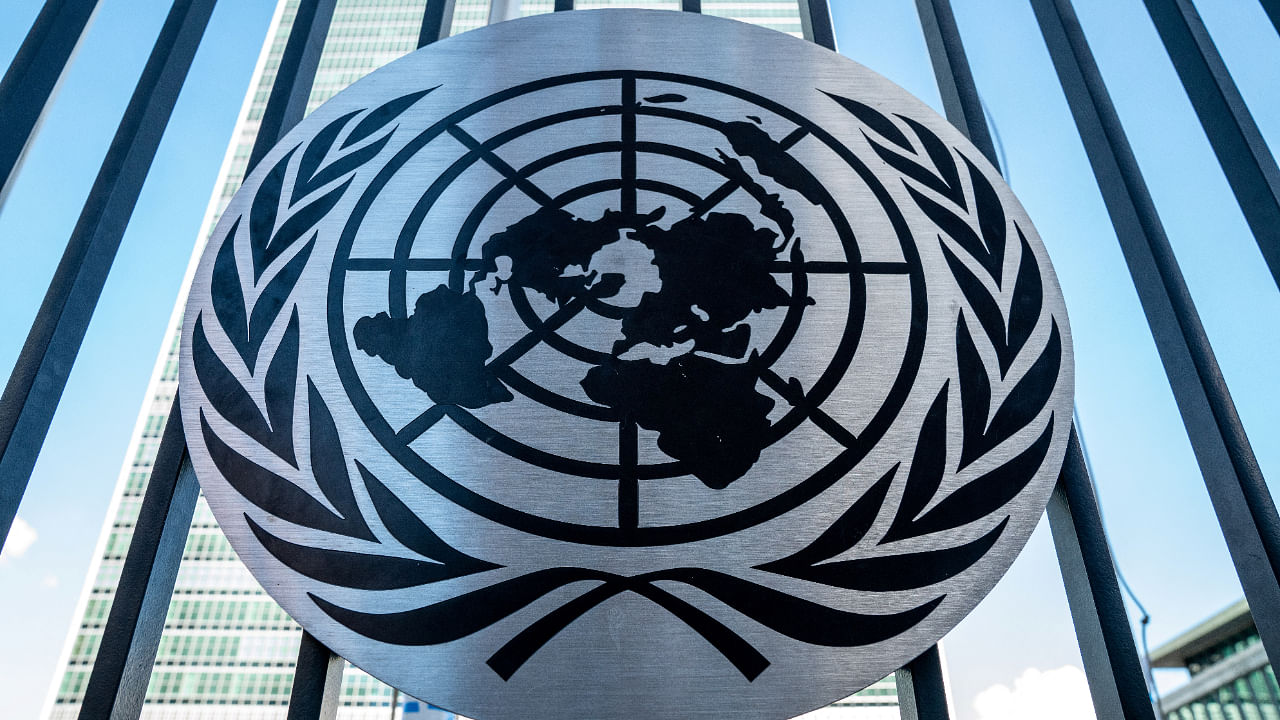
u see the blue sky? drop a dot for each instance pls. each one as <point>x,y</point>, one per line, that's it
<point>1156,507</point>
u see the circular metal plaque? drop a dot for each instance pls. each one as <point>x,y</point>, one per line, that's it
<point>620,361</point>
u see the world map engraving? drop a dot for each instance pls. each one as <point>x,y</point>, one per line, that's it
<point>681,366</point>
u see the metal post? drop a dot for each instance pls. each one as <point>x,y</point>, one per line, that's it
<point>1111,664</point>
<point>1272,8</point>
<point>562,5</point>
<point>40,374</point>
<point>122,667</point>
<point>815,23</point>
<point>922,689</point>
<point>33,76</point>
<point>437,19</point>
<point>1242,152</point>
<point>1245,509</point>
<point>288,101</point>
<point>1102,626</point>
<point>959,92</point>
<point>317,681</point>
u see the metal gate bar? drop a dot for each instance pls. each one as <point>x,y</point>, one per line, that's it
<point>125,659</point>
<point>960,100</point>
<point>922,688</point>
<point>40,373</point>
<point>287,103</point>
<point>437,18</point>
<point>1242,152</point>
<point>317,682</point>
<point>32,77</point>
<point>1245,509</point>
<point>122,667</point>
<point>1111,664</point>
<point>1272,8</point>
<point>815,22</point>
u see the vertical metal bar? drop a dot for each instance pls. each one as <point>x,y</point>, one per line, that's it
<point>1245,509</point>
<point>40,374</point>
<point>922,689</point>
<point>288,101</point>
<point>437,19</point>
<point>1242,152</point>
<point>33,76</point>
<point>502,10</point>
<point>693,6</point>
<point>1272,8</point>
<point>122,667</point>
<point>562,5</point>
<point>1101,622</point>
<point>317,680</point>
<point>959,92</point>
<point>815,23</point>
<point>1111,664</point>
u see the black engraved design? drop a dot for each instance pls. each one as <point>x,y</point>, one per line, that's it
<point>250,302</point>
<point>1007,333</point>
<point>544,245</point>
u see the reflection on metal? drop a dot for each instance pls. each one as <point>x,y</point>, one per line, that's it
<point>1243,153</point>
<point>473,389</point>
<point>40,373</point>
<point>29,83</point>
<point>1246,511</point>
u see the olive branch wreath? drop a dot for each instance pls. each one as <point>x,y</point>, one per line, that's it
<point>250,302</point>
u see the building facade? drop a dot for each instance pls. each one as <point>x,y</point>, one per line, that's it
<point>1231,678</point>
<point>228,649</point>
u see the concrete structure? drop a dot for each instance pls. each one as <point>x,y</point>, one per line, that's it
<point>228,650</point>
<point>1230,674</point>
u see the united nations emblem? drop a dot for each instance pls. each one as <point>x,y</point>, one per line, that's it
<point>694,368</point>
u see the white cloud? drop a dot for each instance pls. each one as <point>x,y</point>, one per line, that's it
<point>1061,694</point>
<point>49,581</point>
<point>21,537</point>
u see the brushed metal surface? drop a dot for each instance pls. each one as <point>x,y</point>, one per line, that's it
<point>552,554</point>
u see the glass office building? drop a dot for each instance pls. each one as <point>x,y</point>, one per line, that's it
<point>228,650</point>
<point>1230,676</point>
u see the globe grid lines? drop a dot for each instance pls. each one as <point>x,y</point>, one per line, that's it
<point>627,471</point>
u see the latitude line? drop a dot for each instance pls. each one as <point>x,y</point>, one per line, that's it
<point>628,484</point>
<point>437,264</point>
<point>628,145</point>
<point>497,163</point>
<point>819,417</point>
<point>722,193</point>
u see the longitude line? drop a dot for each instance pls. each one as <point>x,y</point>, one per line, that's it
<point>629,145</point>
<point>497,163</point>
